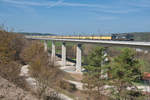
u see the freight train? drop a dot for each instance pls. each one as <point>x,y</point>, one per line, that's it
<point>114,37</point>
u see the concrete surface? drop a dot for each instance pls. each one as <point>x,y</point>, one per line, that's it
<point>102,42</point>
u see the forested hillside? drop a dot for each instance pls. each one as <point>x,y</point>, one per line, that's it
<point>141,36</point>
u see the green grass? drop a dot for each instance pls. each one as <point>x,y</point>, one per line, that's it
<point>70,44</point>
<point>141,83</point>
<point>60,44</point>
<point>56,44</point>
<point>145,66</point>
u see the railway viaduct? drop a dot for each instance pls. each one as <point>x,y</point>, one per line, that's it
<point>133,44</point>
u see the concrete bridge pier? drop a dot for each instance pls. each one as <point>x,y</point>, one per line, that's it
<point>63,54</point>
<point>105,55</point>
<point>53,52</point>
<point>45,46</point>
<point>78,58</point>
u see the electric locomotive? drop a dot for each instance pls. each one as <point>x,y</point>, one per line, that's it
<point>122,37</point>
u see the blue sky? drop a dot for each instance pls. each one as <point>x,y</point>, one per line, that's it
<point>69,16</point>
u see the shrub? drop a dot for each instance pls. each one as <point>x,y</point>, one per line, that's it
<point>45,72</point>
<point>67,86</point>
<point>31,50</point>
<point>52,96</point>
<point>10,48</point>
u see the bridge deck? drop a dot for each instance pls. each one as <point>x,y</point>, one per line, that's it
<point>102,42</point>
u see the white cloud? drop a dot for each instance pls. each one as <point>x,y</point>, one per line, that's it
<point>127,8</point>
<point>116,11</point>
<point>139,3</point>
<point>103,18</point>
<point>53,3</point>
<point>122,11</point>
<point>30,3</point>
<point>84,5</point>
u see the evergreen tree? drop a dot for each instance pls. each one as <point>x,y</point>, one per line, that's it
<point>124,70</point>
<point>93,79</point>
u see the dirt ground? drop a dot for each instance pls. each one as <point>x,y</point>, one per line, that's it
<point>77,77</point>
<point>9,91</point>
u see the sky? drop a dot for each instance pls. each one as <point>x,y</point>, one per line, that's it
<point>76,16</point>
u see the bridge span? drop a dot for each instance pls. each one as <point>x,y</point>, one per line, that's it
<point>133,44</point>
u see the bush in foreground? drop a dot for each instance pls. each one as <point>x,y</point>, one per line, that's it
<point>42,69</point>
<point>10,63</point>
